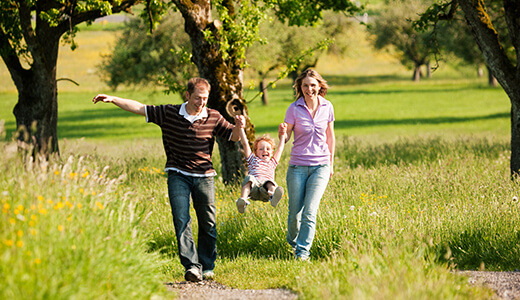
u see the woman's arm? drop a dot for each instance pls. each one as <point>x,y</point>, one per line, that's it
<point>331,142</point>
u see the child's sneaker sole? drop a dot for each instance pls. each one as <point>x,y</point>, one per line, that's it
<point>277,196</point>
<point>241,205</point>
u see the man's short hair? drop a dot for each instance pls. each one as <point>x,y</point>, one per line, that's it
<point>195,81</point>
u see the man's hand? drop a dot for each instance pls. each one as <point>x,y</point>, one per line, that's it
<point>103,98</point>
<point>240,121</point>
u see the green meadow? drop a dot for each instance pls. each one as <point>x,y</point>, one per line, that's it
<point>421,189</point>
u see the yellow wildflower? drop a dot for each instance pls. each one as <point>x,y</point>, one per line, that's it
<point>19,244</point>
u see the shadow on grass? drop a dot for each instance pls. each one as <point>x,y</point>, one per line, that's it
<point>481,247</point>
<point>342,124</point>
<point>416,121</point>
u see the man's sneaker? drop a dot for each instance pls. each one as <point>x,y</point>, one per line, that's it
<point>242,204</point>
<point>277,195</point>
<point>193,275</point>
<point>208,275</point>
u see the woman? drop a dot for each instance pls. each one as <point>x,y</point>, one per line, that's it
<point>311,118</point>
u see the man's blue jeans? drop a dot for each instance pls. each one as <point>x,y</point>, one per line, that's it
<point>202,191</point>
<point>305,185</point>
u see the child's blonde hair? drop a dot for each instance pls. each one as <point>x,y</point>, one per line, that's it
<point>264,137</point>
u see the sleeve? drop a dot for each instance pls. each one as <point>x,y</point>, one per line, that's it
<point>155,114</point>
<point>331,113</point>
<point>223,128</point>
<point>289,114</point>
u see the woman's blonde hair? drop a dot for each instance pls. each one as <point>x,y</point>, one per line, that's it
<point>313,74</point>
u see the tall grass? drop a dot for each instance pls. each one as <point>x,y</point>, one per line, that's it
<point>69,230</point>
<point>396,219</point>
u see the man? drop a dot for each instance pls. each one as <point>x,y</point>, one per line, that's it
<point>188,134</point>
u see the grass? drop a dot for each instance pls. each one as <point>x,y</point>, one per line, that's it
<point>421,188</point>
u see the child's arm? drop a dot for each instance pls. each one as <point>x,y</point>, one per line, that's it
<point>126,104</point>
<point>282,135</point>
<point>240,123</point>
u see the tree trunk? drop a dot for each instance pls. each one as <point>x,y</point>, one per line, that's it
<point>492,81</point>
<point>506,73</point>
<point>224,75</point>
<point>263,90</point>
<point>36,112</point>
<point>417,73</point>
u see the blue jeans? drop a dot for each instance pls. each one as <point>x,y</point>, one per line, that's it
<point>202,191</point>
<point>305,185</point>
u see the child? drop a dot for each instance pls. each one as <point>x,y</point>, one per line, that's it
<point>259,183</point>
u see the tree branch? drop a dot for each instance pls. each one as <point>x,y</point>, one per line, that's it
<point>10,58</point>
<point>489,43</point>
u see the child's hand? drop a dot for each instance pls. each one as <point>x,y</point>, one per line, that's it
<point>240,121</point>
<point>282,130</point>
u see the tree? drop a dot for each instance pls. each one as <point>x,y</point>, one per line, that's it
<point>141,58</point>
<point>30,32</point>
<point>394,28</point>
<point>504,67</point>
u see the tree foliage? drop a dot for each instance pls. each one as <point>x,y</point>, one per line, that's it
<point>163,56</point>
<point>144,58</point>
<point>393,27</point>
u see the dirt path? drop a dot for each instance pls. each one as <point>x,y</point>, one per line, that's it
<point>213,290</point>
<point>505,284</point>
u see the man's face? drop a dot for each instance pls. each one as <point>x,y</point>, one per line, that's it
<point>197,100</point>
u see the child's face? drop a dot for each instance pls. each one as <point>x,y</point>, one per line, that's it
<point>264,150</point>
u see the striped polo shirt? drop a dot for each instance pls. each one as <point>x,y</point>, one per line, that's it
<point>188,145</point>
<point>262,170</point>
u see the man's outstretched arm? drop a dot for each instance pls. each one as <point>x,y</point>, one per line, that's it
<point>130,105</point>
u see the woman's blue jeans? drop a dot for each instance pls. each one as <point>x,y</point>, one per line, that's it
<point>202,191</point>
<point>305,185</point>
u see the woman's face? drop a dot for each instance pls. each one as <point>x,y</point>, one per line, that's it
<point>310,88</point>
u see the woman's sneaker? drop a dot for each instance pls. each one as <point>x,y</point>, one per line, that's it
<point>242,204</point>
<point>277,195</point>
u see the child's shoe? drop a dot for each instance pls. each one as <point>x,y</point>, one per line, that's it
<point>242,204</point>
<point>277,195</point>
